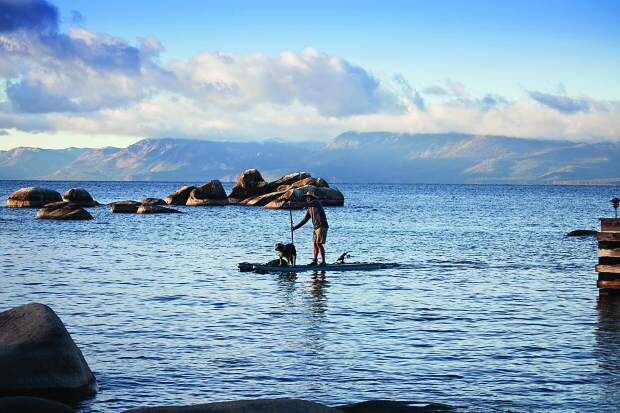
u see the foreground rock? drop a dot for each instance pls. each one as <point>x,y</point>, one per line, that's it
<point>249,184</point>
<point>124,207</point>
<point>293,197</point>
<point>211,193</point>
<point>32,198</point>
<point>153,201</point>
<point>156,209</point>
<point>582,233</point>
<point>180,196</point>
<point>23,404</point>
<point>391,406</point>
<point>63,211</point>
<point>244,406</point>
<point>39,358</point>
<point>79,196</point>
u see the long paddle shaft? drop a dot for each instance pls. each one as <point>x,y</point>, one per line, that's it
<point>290,211</point>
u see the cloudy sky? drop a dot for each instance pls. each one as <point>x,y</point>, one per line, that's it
<point>89,73</point>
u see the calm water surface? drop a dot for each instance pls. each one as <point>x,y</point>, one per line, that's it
<point>493,309</point>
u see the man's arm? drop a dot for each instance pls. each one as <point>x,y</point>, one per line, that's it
<point>303,221</point>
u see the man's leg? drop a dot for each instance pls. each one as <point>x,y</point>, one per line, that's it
<point>316,246</point>
<point>322,250</point>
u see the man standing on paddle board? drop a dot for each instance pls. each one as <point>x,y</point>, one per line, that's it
<point>319,222</point>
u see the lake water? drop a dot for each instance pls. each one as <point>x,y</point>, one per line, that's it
<point>492,309</point>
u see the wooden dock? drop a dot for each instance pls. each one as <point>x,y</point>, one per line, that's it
<point>608,266</point>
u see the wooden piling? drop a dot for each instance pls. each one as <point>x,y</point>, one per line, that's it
<point>608,266</point>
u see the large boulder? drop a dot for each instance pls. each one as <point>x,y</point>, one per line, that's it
<point>63,210</point>
<point>24,404</point>
<point>244,406</point>
<point>156,209</point>
<point>250,183</point>
<point>124,207</point>
<point>180,196</point>
<point>395,406</point>
<point>79,196</point>
<point>293,197</point>
<point>38,357</point>
<point>211,193</point>
<point>289,179</point>
<point>262,200</point>
<point>153,201</point>
<point>32,198</point>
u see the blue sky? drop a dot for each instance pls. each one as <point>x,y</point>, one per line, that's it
<point>520,68</point>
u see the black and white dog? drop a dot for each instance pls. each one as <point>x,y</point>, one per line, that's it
<point>287,252</point>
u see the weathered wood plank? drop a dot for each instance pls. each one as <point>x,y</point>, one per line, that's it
<point>606,276</point>
<point>614,269</point>
<point>612,285</point>
<point>602,252</point>
<point>610,224</point>
<point>608,236</point>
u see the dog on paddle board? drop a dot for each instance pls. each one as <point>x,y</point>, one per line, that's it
<point>287,252</point>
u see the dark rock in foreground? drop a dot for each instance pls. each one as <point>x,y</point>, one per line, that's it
<point>244,406</point>
<point>63,211</point>
<point>124,207</point>
<point>38,357</point>
<point>156,209</point>
<point>79,196</point>
<point>211,193</point>
<point>582,233</point>
<point>391,406</point>
<point>180,196</point>
<point>24,404</point>
<point>153,201</point>
<point>32,198</point>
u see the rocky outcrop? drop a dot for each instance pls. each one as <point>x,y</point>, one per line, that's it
<point>32,198</point>
<point>156,209</point>
<point>582,233</point>
<point>63,211</point>
<point>211,193</point>
<point>79,196</point>
<point>249,184</point>
<point>180,196</point>
<point>289,179</point>
<point>393,406</point>
<point>293,197</point>
<point>38,357</point>
<point>24,404</point>
<point>244,406</point>
<point>124,207</point>
<point>262,200</point>
<point>153,201</point>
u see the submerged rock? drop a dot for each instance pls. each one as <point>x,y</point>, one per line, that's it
<point>250,183</point>
<point>124,207</point>
<point>582,233</point>
<point>392,406</point>
<point>153,201</point>
<point>244,406</point>
<point>63,210</point>
<point>79,196</point>
<point>32,197</point>
<point>24,404</point>
<point>211,193</point>
<point>180,196</point>
<point>156,209</point>
<point>38,357</point>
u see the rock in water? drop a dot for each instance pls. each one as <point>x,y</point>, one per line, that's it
<point>180,196</point>
<point>289,179</point>
<point>156,209</point>
<point>292,197</point>
<point>394,406</point>
<point>153,201</point>
<point>32,198</point>
<point>79,196</point>
<point>250,183</point>
<point>582,233</point>
<point>211,193</point>
<point>63,211</point>
<point>23,404</point>
<point>38,357</point>
<point>124,207</point>
<point>244,406</point>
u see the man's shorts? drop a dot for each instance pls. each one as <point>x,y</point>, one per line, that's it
<point>319,235</point>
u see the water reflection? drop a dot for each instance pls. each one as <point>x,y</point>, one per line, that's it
<point>607,350</point>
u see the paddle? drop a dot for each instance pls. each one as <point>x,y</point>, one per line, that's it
<point>290,211</point>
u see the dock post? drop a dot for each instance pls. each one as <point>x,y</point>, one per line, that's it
<point>608,266</point>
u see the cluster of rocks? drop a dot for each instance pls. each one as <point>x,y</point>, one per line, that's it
<point>42,368</point>
<point>146,206</point>
<point>70,206</point>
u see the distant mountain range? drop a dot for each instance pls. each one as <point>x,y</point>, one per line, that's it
<point>375,157</point>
